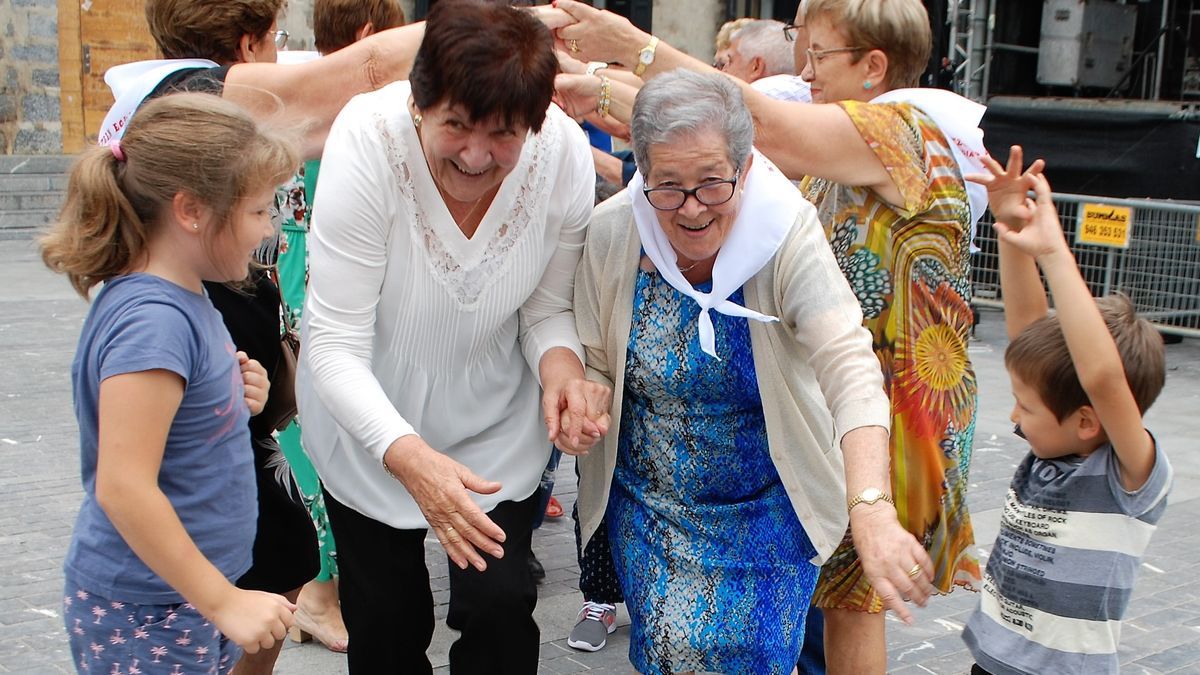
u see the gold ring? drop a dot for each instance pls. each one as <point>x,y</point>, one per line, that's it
<point>574,45</point>
<point>449,531</point>
<point>915,571</point>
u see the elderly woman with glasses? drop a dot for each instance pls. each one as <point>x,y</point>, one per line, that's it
<point>745,392</point>
<point>884,164</point>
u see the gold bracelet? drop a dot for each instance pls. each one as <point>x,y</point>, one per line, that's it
<point>605,100</point>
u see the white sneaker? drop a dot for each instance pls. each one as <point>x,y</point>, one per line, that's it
<point>596,622</point>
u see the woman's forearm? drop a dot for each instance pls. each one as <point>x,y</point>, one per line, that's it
<point>287,94</point>
<point>865,451</point>
<point>557,366</point>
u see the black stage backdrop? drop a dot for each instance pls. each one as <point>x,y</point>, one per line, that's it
<point>1110,148</point>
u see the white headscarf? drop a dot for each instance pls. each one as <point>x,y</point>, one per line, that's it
<point>766,214</point>
<point>958,119</point>
<point>131,83</point>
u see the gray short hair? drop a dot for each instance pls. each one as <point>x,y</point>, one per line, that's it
<point>683,103</point>
<point>764,38</point>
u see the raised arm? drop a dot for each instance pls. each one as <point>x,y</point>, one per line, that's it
<point>580,94</point>
<point>1093,351</point>
<point>1020,283</point>
<point>800,138</point>
<point>308,96</point>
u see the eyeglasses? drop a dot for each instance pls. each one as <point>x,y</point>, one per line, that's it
<point>818,55</point>
<point>789,31</point>
<point>281,38</point>
<point>713,193</point>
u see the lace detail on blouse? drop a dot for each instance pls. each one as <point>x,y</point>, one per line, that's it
<point>467,284</point>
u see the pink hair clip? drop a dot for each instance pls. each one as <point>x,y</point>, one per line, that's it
<point>117,152</point>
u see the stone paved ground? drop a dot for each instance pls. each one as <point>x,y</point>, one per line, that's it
<point>39,494</point>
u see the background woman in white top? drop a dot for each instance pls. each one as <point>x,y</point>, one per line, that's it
<point>450,218</point>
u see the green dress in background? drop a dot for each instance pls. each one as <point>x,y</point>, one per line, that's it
<point>295,198</point>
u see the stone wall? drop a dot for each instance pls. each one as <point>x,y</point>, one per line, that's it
<point>690,27</point>
<point>30,117</point>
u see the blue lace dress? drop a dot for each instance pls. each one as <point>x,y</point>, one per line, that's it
<point>710,555</point>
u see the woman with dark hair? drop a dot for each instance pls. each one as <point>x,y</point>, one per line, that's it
<point>449,220</point>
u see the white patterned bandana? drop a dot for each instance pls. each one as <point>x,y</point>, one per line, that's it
<point>765,216</point>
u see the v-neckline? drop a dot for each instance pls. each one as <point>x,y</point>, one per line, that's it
<point>471,212</point>
<point>466,251</point>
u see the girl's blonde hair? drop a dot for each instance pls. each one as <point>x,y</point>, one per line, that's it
<point>195,144</point>
<point>898,28</point>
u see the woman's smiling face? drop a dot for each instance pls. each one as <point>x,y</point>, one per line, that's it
<point>468,158</point>
<point>696,231</point>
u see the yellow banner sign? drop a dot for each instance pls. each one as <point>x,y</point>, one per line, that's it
<point>1105,225</point>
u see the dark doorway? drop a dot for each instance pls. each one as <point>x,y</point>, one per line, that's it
<point>640,12</point>
<point>784,10</point>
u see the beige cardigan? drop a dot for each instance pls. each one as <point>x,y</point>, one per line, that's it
<point>819,339</point>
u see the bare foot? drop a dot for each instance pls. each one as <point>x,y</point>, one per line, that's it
<point>319,615</point>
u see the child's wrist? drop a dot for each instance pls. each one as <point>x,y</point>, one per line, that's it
<point>212,600</point>
<point>1059,255</point>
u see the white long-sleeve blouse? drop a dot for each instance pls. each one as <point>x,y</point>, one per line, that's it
<point>411,327</point>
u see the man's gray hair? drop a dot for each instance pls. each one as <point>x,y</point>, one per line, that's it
<point>765,38</point>
<point>682,103</point>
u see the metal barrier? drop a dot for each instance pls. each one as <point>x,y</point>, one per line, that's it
<point>1159,269</point>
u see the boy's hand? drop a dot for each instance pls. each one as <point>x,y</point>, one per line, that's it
<point>254,620</point>
<point>255,382</point>
<point>1008,188</point>
<point>1042,235</point>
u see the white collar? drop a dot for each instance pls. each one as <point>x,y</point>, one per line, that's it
<point>131,83</point>
<point>766,214</point>
<point>958,119</point>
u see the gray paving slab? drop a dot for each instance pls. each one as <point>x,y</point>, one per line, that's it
<point>40,319</point>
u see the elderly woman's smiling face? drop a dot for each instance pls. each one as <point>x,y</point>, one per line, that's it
<point>696,230</point>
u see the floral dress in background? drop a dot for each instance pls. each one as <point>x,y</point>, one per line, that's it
<point>293,198</point>
<point>909,265</point>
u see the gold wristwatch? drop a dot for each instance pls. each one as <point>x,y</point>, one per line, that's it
<point>869,496</point>
<point>646,56</point>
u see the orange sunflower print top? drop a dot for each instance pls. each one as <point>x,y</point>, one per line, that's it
<point>909,265</point>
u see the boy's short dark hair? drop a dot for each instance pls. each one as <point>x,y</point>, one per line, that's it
<point>1039,356</point>
<point>335,22</point>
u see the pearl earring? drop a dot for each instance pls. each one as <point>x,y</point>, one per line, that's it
<point>867,84</point>
<point>195,226</point>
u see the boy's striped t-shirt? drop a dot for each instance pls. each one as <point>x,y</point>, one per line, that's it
<point>1063,567</point>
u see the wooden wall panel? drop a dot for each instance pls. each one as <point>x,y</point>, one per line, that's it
<point>93,37</point>
<point>70,76</point>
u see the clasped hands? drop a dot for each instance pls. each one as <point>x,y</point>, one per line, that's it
<point>577,415</point>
